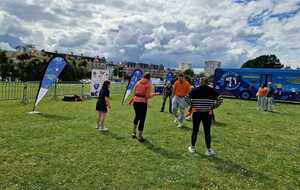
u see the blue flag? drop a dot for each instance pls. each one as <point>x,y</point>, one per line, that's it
<point>54,68</point>
<point>136,76</point>
<point>169,77</point>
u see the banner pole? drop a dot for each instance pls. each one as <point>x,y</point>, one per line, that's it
<point>56,71</point>
<point>40,84</point>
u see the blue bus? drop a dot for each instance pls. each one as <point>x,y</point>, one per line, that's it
<point>244,82</point>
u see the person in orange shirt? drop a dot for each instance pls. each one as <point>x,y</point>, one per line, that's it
<point>142,93</point>
<point>181,88</point>
<point>261,97</point>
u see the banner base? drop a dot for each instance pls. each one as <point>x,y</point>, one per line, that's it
<point>33,112</point>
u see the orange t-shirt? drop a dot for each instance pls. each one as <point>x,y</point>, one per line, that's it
<point>261,92</point>
<point>142,91</point>
<point>181,89</point>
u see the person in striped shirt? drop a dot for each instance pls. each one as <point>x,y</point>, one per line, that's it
<point>203,100</point>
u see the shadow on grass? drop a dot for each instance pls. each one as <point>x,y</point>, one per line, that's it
<point>278,112</point>
<point>219,124</point>
<point>114,136</point>
<point>185,128</point>
<point>229,166</point>
<point>161,151</point>
<point>54,117</point>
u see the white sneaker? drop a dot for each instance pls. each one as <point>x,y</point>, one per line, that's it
<point>210,152</point>
<point>179,125</point>
<point>103,129</point>
<point>192,149</point>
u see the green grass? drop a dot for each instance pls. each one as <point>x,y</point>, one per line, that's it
<point>61,149</point>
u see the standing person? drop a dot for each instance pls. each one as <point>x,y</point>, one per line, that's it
<point>142,92</point>
<point>269,97</point>
<point>181,89</point>
<point>102,105</point>
<point>167,93</point>
<point>203,99</point>
<point>261,97</point>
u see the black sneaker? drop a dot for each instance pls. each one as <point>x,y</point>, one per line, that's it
<point>141,140</point>
<point>133,135</point>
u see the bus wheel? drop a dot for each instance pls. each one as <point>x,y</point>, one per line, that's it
<point>245,95</point>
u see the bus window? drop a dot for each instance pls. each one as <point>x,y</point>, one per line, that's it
<point>265,78</point>
<point>293,80</point>
<point>252,79</point>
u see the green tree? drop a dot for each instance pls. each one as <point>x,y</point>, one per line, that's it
<point>6,66</point>
<point>69,73</point>
<point>83,63</point>
<point>211,78</point>
<point>264,61</point>
<point>189,75</point>
<point>119,71</point>
<point>23,56</point>
<point>116,71</point>
<point>31,70</point>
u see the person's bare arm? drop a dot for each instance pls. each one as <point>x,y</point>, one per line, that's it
<point>107,102</point>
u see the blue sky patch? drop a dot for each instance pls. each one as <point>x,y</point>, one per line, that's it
<point>286,15</point>
<point>258,19</point>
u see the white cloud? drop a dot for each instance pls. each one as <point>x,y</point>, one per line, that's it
<point>6,46</point>
<point>284,6</point>
<point>157,31</point>
<point>152,45</point>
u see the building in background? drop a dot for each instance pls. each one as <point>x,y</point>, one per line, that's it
<point>119,71</point>
<point>90,62</point>
<point>156,71</point>
<point>184,66</point>
<point>211,66</point>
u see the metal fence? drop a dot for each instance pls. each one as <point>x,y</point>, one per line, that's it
<point>25,91</point>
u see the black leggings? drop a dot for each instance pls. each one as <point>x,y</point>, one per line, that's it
<point>140,114</point>
<point>206,121</point>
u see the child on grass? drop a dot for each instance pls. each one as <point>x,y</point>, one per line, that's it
<point>102,105</point>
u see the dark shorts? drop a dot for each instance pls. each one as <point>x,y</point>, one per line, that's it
<point>101,108</point>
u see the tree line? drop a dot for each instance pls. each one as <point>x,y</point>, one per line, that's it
<point>25,67</point>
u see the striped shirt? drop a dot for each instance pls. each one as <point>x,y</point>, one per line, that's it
<point>204,99</point>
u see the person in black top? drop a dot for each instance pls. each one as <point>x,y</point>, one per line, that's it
<point>167,93</point>
<point>102,105</point>
<point>269,97</point>
<point>203,100</point>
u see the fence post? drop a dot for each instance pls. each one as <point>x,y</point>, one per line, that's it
<point>55,93</point>
<point>82,90</point>
<point>24,98</point>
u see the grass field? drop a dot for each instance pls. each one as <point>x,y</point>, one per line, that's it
<point>61,149</point>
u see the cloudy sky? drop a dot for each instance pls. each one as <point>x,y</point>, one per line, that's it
<point>157,31</point>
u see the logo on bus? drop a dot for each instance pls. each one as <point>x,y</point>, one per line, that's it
<point>231,80</point>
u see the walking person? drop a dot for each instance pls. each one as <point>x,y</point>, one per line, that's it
<point>102,105</point>
<point>269,97</point>
<point>261,97</point>
<point>181,88</point>
<point>142,92</point>
<point>203,100</point>
<point>167,94</point>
